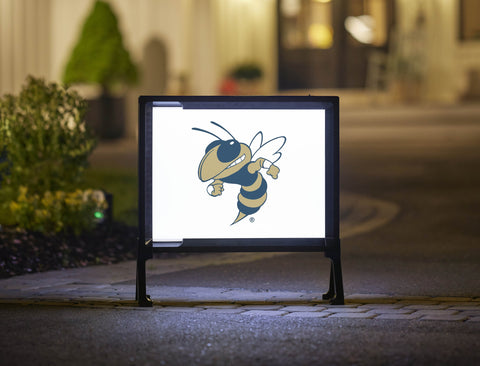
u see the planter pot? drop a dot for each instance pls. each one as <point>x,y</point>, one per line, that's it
<point>248,87</point>
<point>106,116</point>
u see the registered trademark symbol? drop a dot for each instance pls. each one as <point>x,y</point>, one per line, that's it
<point>252,219</point>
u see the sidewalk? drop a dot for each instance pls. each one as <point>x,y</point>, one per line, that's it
<point>358,214</point>
<point>104,287</point>
<point>112,286</point>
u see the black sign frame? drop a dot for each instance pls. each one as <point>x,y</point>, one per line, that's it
<point>330,244</point>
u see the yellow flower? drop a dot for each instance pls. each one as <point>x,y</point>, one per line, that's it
<point>14,206</point>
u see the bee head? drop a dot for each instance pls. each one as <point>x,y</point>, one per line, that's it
<point>227,150</point>
<point>223,158</point>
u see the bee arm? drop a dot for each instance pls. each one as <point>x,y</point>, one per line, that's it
<point>256,165</point>
<point>266,163</point>
<point>215,188</point>
<point>273,170</point>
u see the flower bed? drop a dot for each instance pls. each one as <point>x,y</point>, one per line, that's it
<point>28,252</point>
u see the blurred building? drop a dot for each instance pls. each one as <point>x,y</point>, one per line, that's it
<point>426,50</point>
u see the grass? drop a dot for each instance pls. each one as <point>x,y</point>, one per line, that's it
<point>122,183</point>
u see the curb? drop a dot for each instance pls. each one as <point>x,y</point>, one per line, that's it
<point>380,307</point>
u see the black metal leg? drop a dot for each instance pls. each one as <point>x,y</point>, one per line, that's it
<point>338,282</point>
<point>331,288</point>
<point>141,290</point>
<point>335,289</point>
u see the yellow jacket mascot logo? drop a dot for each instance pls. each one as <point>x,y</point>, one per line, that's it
<point>230,161</point>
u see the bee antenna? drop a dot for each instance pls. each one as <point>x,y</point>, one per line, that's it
<point>223,128</point>
<point>199,129</point>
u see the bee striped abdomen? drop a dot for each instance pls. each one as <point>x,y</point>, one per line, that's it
<point>253,196</point>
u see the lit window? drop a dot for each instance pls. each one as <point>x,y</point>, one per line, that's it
<point>306,23</point>
<point>470,20</point>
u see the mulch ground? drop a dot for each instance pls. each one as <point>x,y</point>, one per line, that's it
<point>28,252</point>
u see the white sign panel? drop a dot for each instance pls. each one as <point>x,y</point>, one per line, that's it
<point>246,173</point>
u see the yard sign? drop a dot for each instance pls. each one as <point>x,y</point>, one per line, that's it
<point>238,174</point>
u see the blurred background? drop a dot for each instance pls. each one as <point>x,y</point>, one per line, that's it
<point>370,52</point>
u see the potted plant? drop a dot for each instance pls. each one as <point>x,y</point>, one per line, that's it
<point>243,79</point>
<point>100,58</point>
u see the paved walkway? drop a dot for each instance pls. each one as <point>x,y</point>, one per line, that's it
<point>458,309</point>
<point>105,286</point>
<point>112,286</point>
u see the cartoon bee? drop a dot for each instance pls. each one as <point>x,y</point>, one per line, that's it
<point>229,161</point>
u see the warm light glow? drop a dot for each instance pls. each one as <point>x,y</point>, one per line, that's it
<point>320,36</point>
<point>291,8</point>
<point>323,1</point>
<point>361,28</point>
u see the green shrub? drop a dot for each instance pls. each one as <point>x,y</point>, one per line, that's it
<point>44,138</point>
<point>44,148</point>
<point>57,211</point>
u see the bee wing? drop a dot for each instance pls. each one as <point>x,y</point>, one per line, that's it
<point>270,150</point>
<point>256,142</point>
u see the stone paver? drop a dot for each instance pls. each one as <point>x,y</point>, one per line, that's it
<point>261,307</point>
<point>398,316</point>
<point>417,302</point>
<point>358,306</point>
<point>310,308</point>
<point>456,317</point>
<point>460,303</point>
<point>390,311</point>
<point>468,308</point>
<point>471,314</point>
<point>353,315</point>
<point>309,314</point>
<point>436,312</point>
<point>347,305</point>
<point>380,306</point>
<point>217,306</point>
<point>264,313</point>
<point>224,311</point>
<point>426,307</point>
<point>345,310</point>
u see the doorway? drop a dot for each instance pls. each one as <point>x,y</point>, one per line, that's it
<point>327,43</point>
